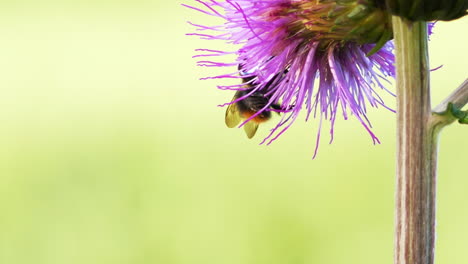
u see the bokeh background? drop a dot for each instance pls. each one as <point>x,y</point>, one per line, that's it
<point>112,151</point>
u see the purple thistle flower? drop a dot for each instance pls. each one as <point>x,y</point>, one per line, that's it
<point>300,55</point>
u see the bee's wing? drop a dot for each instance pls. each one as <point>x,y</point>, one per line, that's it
<point>250,128</point>
<point>233,117</point>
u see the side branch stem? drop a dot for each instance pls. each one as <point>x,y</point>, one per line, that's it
<point>459,98</point>
<point>416,147</point>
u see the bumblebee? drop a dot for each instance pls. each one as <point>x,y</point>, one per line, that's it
<point>251,105</point>
<point>247,107</point>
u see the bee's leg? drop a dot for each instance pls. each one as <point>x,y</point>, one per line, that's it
<point>279,109</point>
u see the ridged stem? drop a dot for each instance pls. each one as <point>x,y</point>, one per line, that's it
<point>416,147</point>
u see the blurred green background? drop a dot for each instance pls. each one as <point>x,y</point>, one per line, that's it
<point>112,151</point>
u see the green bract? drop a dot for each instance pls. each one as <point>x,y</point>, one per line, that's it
<point>426,10</point>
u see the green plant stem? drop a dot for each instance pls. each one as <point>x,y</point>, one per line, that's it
<point>416,147</point>
<point>459,98</point>
<point>442,113</point>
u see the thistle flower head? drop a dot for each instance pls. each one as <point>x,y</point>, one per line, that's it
<point>325,57</point>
